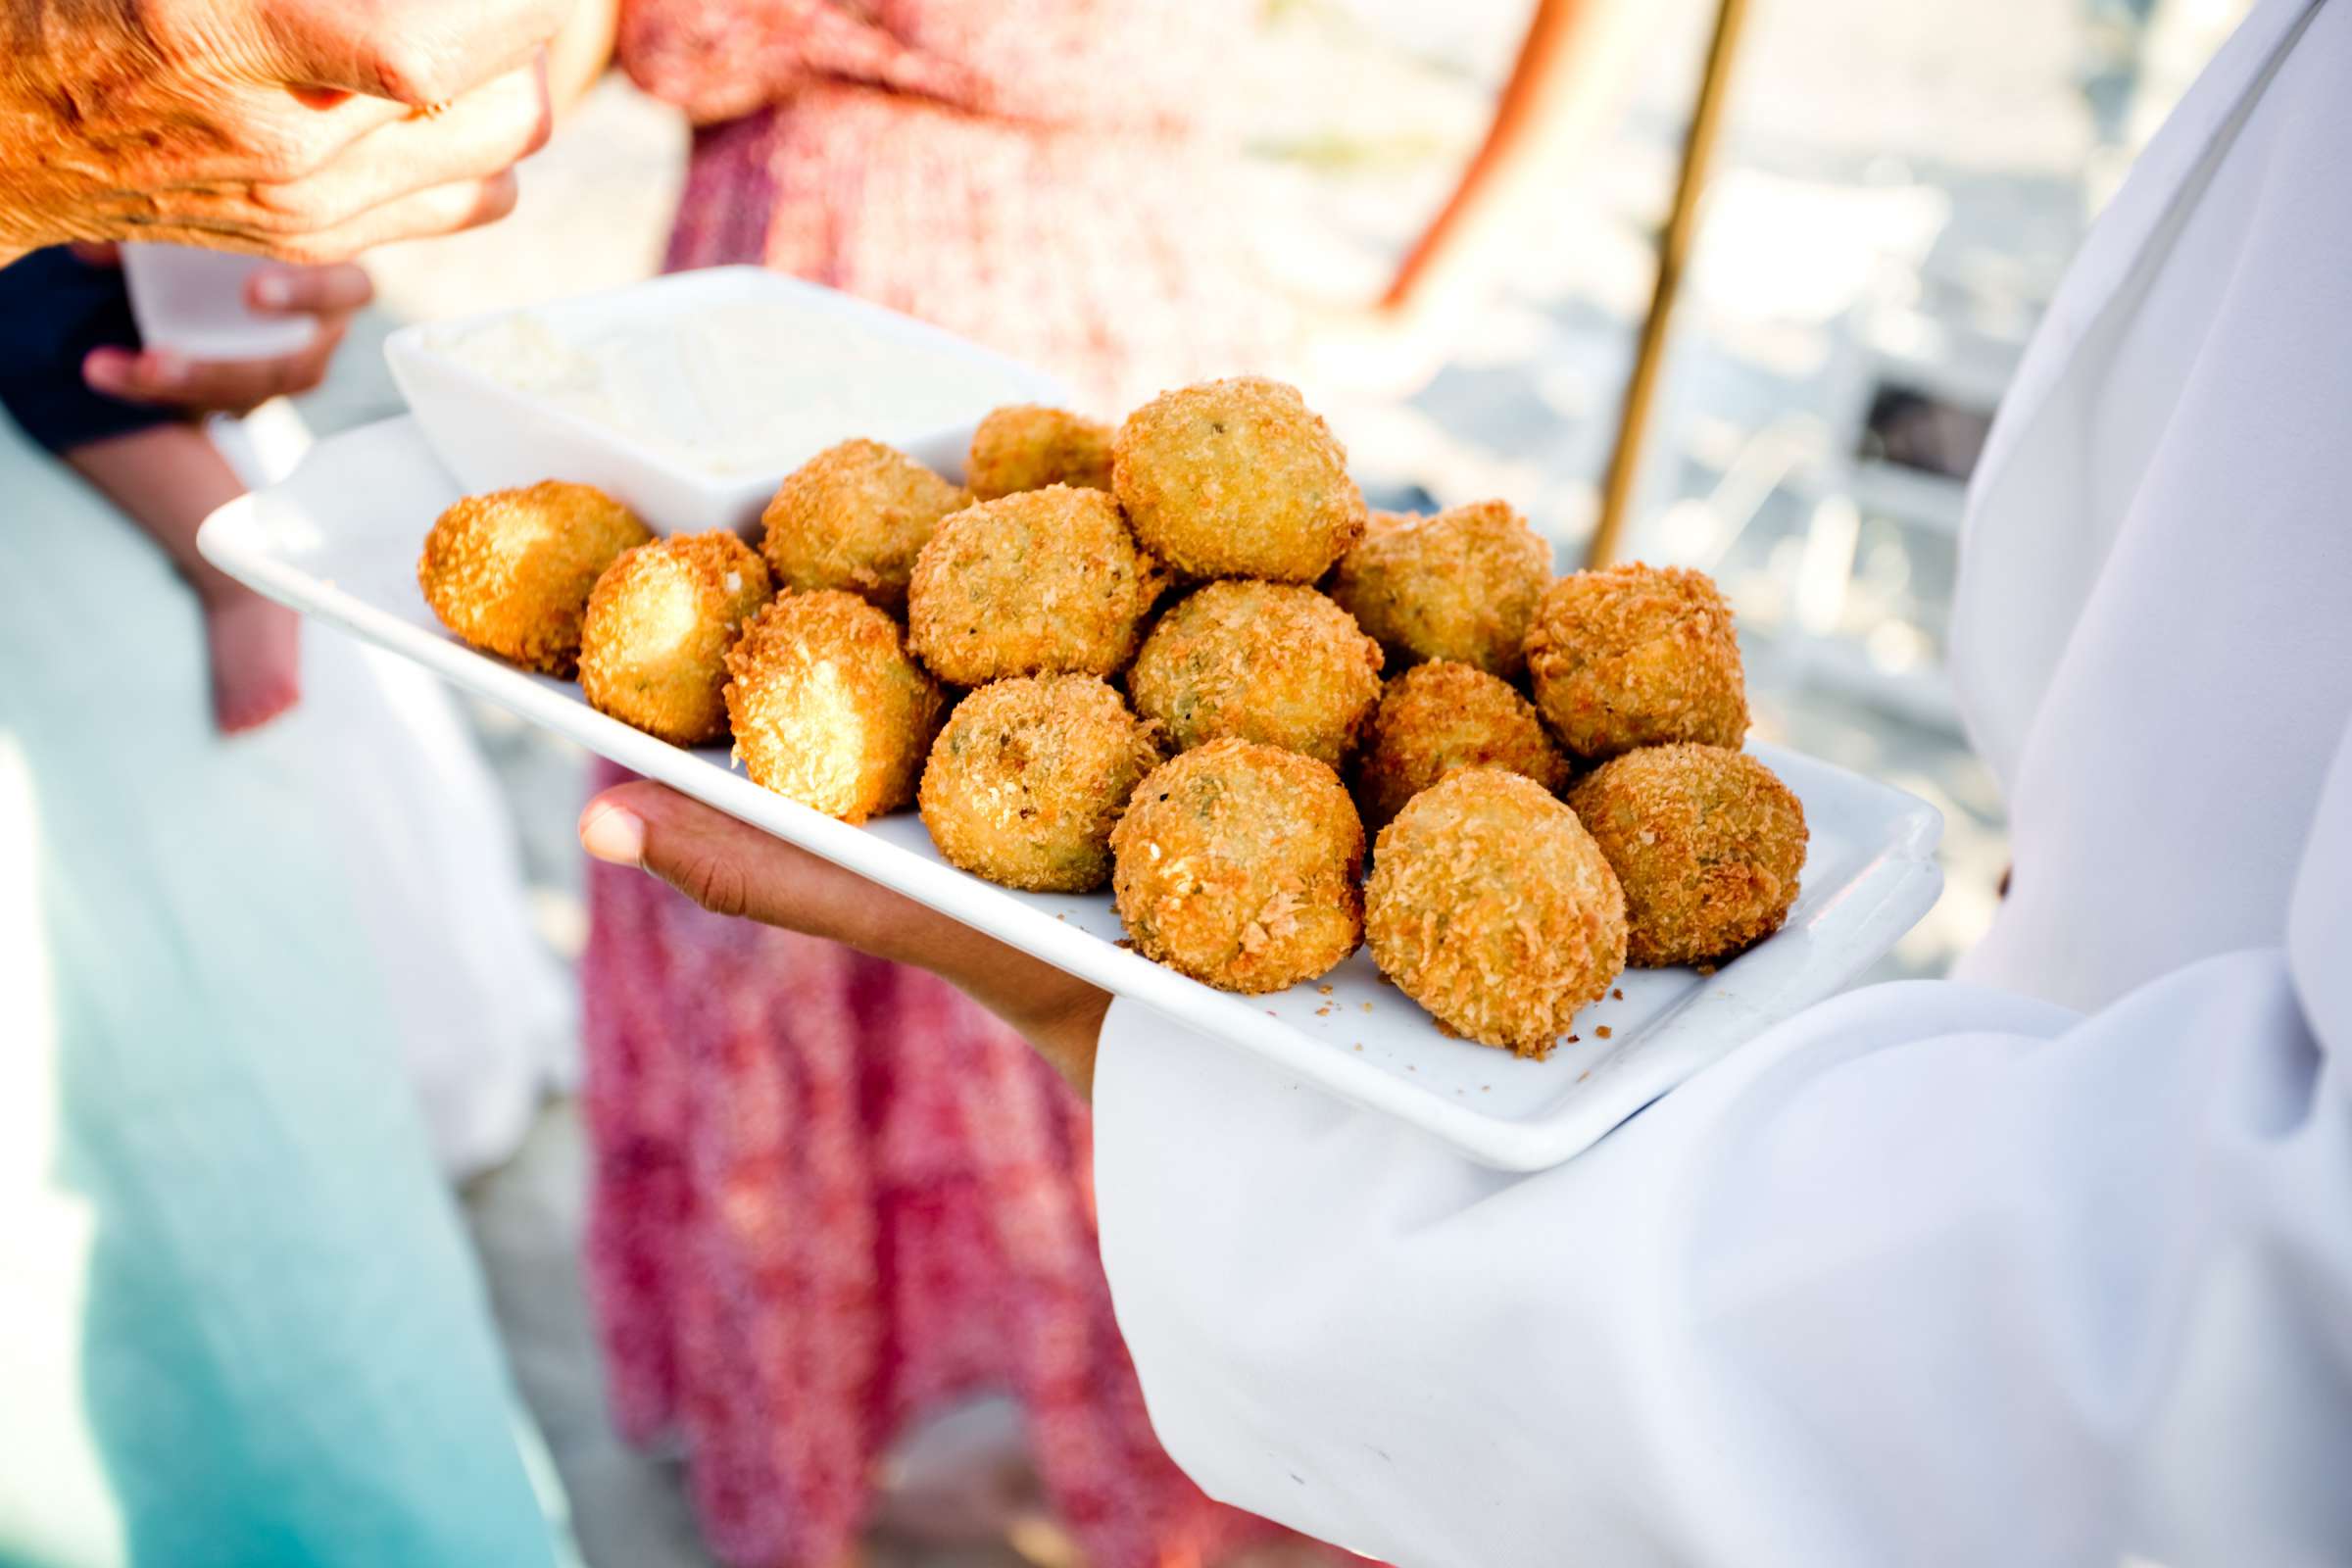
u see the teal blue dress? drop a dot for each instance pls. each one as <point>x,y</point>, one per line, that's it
<point>239,1324</point>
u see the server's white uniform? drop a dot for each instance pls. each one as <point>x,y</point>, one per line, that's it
<point>2049,1264</point>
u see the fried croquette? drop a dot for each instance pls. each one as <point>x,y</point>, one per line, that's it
<point>855,516</point>
<point>1490,905</point>
<point>1237,479</point>
<point>1026,447</point>
<point>654,645</point>
<point>1636,655</point>
<point>1461,585</point>
<point>1042,582</point>
<point>510,571</point>
<point>1707,843</point>
<point>1439,716</point>
<point>1236,864</point>
<point>1029,776</point>
<point>827,707</point>
<point>1273,662</point>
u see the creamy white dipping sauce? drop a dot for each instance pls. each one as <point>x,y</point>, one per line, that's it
<point>735,388</point>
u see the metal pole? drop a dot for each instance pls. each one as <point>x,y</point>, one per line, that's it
<point>1674,251</point>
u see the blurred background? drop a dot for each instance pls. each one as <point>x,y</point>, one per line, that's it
<point>1895,194</point>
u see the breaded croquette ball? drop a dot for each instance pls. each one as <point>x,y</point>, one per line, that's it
<point>510,571</point>
<point>1461,585</point>
<point>1491,907</point>
<point>1237,479</point>
<point>1707,843</point>
<point>1025,447</point>
<point>1042,582</point>
<point>827,707</point>
<point>1030,775</point>
<point>1237,863</point>
<point>654,647</point>
<point>1269,662</point>
<point>855,516</point>
<point>1636,655</point>
<point>1439,716</point>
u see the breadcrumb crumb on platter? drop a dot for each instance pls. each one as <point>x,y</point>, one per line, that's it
<point>340,541</point>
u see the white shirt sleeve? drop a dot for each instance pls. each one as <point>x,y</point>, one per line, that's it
<point>1930,1274</point>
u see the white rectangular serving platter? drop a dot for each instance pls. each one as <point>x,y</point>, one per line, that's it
<point>339,539</point>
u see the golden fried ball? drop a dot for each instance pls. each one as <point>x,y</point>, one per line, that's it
<point>1026,447</point>
<point>1439,716</point>
<point>1042,582</point>
<point>1268,662</point>
<point>1707,843</point>
<point>1636,655</point>
<point>510,571</point>
<point>855,516</point>
<point>1236,864</point>
<point>1030,775</point>
<point>1491,907</point>
<point>1461,585</point>
<point>1237,479</point>
<point>827,707</point>
<point>654,646</point>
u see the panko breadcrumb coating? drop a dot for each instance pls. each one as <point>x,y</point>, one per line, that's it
<point>855,516</point>
<point>1439,716</point>
<point>1491,907</point>
<point>1636,655</point>
<point>1274,663</point>
<point>1027,447</point>
<point>1461,585</point>
<point>654,646</point>
<point>1042,582</point>
<point>827,707</point>
<point>1030,775</point>
<point>1376,522</point>
<point>510,571</point>
<point>1237,479</point>
<point>1236,864</point>
<point>1707,843</point>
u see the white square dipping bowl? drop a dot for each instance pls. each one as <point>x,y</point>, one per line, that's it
<point>676,358</point>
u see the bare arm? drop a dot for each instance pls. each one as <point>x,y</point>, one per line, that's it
<point>1568,77</point>
<point>168,480</point>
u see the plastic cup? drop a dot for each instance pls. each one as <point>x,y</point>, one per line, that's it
<point>192,303</point>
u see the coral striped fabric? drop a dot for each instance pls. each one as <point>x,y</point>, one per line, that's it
<point>1047,177</point>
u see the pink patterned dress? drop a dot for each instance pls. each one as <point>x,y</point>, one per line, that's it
<point>830,1193</point>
